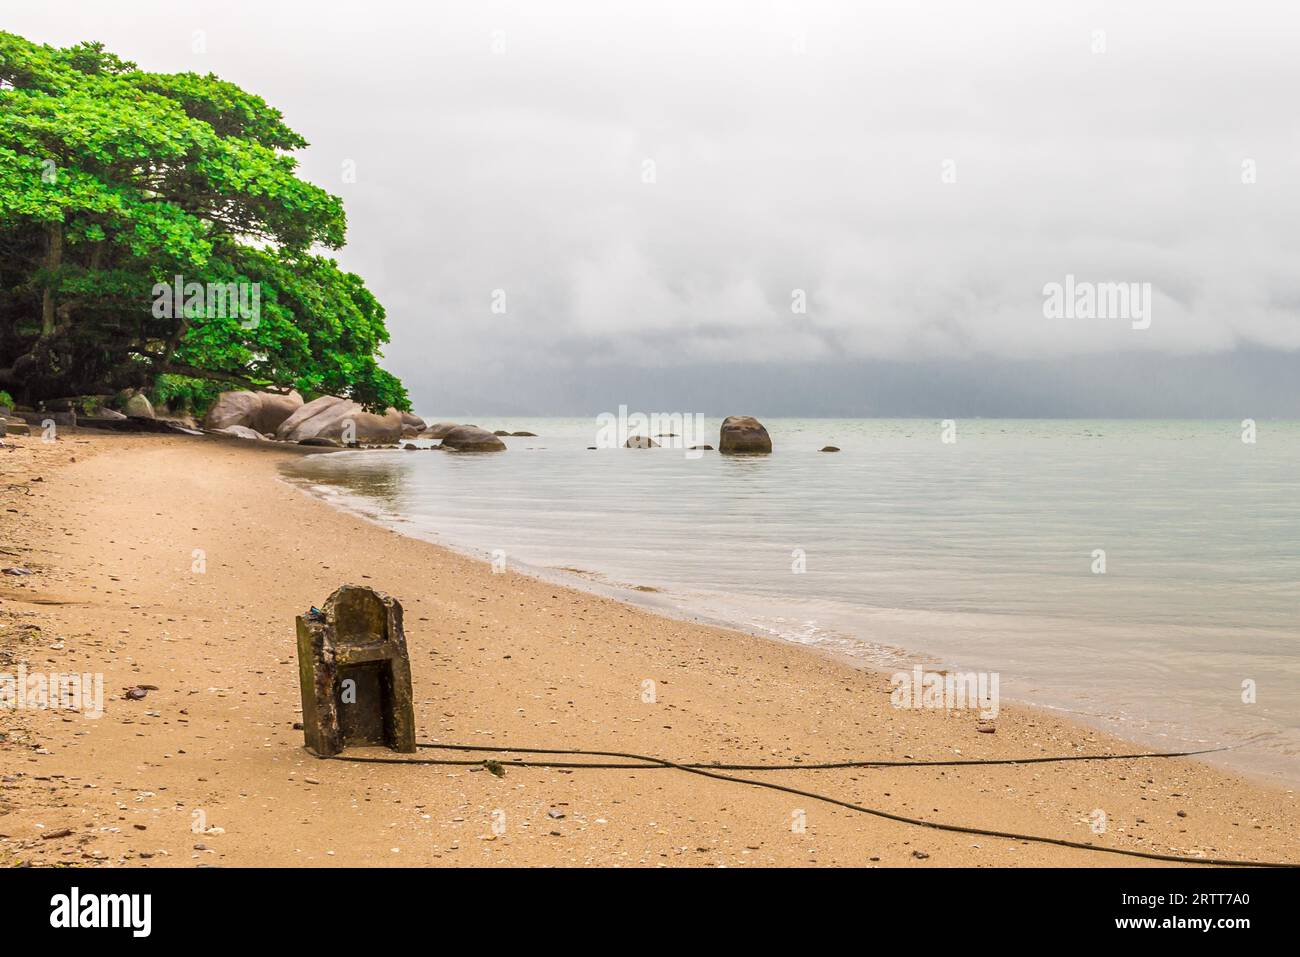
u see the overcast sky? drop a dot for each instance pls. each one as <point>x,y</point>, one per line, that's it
<point>651,185</point>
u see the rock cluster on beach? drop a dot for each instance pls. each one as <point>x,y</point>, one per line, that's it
<point>333,422</point>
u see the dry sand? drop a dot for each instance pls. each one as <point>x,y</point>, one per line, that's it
<point>110,532</point>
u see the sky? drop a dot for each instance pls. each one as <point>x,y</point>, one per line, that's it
<point>773,209</point>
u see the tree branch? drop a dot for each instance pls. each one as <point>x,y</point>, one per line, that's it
<point>162,364</point>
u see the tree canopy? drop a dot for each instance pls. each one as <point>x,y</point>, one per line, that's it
<point>113,183</point>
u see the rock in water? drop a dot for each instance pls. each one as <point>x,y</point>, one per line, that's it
<point>831,448</point>
<point>640,442</point>
<point>743,434</point>
<point>139,406</point>
<point>469,438</point>
<point>438,430</point>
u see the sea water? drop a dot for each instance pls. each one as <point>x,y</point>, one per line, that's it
<point>1141,575</point>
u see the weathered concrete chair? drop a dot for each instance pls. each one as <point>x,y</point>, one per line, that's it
<point>355,673</point>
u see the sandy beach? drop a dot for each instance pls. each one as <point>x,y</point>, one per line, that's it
<point>180,563</point>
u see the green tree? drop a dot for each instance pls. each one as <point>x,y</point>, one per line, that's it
<point>113,182</point>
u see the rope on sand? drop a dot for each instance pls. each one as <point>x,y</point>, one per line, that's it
<point>712,769</point>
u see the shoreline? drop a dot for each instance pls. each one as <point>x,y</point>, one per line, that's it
<point>835,644</point>
<point>496,658</point>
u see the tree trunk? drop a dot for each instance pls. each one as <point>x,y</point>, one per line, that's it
<point>53,259</point>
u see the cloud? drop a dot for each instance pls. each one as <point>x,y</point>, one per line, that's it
<point>653,183</point>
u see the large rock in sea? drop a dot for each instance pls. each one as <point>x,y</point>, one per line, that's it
<point>329,416</point>
<point>742,435</point>
<point>470,438</point>
<point>640,442</point>
<point>438,430</point>
<point>139,406</point>
<point>260,411</point>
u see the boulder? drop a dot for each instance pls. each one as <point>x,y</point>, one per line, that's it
<point>275,409</point>
<point>138,406</point>
<point>232,408</point>
<point>438,430</point>
<point>110,414</point>
<point>299,425</point>
<point>469,438</point>
<point>701,448</point>
<point>412,424</point>
<point>831,448</point>
<point>531,435</point>
<point>330,417</point>
<point>640,442</point>
<point>242,432</point>
<point>16,427</point>
<point>259,411</point>
<point>742,435</point>
<point>321,442</point>
<point>500,432</point>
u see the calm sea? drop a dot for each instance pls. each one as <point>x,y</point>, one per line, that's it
<point>983,553</point>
